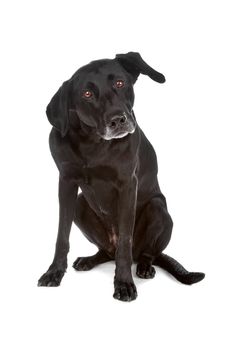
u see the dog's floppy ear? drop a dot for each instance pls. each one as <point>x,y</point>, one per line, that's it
<point>58,109</point>
<point>133,63</point>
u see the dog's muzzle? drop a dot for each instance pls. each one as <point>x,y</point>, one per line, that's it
<point>119,126</point>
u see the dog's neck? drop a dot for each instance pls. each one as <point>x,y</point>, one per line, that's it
<point>81,131</point>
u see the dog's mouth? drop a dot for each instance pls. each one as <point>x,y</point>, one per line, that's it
<point>119,133</point>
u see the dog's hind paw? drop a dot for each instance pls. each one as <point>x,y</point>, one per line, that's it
<point>145,270</point>
<point>83,264</point>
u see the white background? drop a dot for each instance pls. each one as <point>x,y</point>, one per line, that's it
<point>188,120</point>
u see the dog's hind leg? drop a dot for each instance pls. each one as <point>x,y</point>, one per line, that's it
<point>156,224</point>
<point>152,235</point>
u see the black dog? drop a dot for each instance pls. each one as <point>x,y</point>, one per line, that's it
<point>98,146</point>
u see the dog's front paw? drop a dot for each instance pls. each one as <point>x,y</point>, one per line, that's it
<point>51,278</point>
<point>124,291</point>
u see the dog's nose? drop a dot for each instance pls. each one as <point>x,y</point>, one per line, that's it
<point>117,120</point>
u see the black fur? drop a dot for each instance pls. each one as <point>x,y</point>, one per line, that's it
<point>98,146</point>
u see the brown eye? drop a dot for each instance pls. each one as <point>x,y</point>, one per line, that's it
<point>120,83</point>
<point>87,94</point>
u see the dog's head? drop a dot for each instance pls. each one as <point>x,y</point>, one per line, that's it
<point>102,95</point>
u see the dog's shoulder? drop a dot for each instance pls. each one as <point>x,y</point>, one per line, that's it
<point>62,150</point>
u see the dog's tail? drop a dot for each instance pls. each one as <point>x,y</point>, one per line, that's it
<point>177,270</point>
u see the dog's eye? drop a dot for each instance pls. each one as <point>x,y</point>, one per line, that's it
<point>87,94</point>
<point>119,84</point>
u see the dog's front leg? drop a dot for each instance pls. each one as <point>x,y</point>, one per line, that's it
<point>125,288</point>
<point>67,197</point>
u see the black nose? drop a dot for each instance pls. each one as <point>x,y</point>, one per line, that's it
<point>117,120</point>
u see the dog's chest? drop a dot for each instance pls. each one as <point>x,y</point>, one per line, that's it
<point>103,168</point>
<point>101,195</point>
<point>100,180</point>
